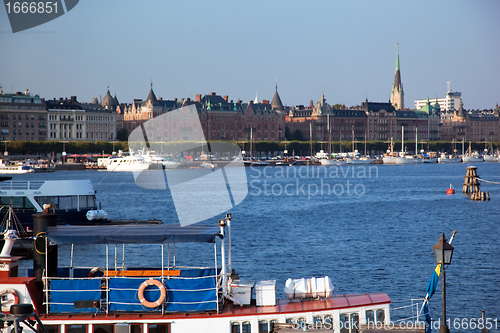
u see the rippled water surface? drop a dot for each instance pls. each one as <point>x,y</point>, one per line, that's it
<point>372,232</point>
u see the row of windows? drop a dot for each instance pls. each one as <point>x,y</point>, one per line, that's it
<point>20,107</point>
<point>348,323</point>
<point>108,328</point>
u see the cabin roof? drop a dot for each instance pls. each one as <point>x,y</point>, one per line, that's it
<point>131,234</point>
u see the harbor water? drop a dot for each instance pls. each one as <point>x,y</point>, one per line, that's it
<point>370,228</point>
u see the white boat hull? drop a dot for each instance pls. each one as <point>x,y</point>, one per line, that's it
<point>389,159</point>
<point>450,160</point>
<point>469,159</point>
<point>359,160</point>
<point>490,158</point>
<point>406,160</point>
<point>327,162</point>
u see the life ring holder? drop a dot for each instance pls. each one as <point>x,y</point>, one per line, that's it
<point>14,293</point>
<point>40,234</point>
<point>159,301</point>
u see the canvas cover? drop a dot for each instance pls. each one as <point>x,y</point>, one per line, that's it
<point>131,234</point>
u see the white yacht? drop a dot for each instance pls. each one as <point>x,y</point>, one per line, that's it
<point>127,163</point>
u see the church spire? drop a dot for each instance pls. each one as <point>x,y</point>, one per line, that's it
<point>397,94</point>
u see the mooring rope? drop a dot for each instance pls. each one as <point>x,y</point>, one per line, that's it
<point>483,180</point>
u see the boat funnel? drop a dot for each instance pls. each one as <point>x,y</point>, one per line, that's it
<point>10,237</point>
<point>40,263</point>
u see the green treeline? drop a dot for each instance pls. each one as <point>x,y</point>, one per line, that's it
<point>300,147</point>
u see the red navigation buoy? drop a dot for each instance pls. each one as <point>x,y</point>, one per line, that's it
<point>451,190</point>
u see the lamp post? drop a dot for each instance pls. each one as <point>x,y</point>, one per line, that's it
<point>64,151</point>
<point>5,144</point>
<point>442,253</point>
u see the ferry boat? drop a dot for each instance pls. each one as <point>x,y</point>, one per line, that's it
<point>14,168</point>
<point>169,298</point>
<point>71,199</point>
<point>127,163</point>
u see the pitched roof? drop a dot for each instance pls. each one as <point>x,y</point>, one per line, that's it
<point>276,102</point>
<point>152,97</point>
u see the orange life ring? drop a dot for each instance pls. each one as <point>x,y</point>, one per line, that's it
<point>14,293</point>
<point>152,282</point>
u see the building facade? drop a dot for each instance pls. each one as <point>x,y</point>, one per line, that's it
<point>22,117</point>
<point>71,120</point>
<point>450,102</point>
<point>220,118</point>
<point>471,125</point>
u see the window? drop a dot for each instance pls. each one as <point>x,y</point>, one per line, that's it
<point>244,327</point>
<point>52,328</point>
<point>349,322</point>
<point>159,328</point>
<point>103,328</point>
<point>76,328</point>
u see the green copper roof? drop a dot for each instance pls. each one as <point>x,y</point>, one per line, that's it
<point>397,76</point>
<point>397,61</point>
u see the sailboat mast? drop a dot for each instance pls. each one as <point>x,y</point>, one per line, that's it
<point>329,136</point>
<point>340,138</point>
<point>416,140</point>
<point>402,138</point>
<point>251,139</point>
<point>311,139</point>
<point>365,143</point>
<point>353,139</point>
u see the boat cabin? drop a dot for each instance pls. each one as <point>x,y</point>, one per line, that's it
<point>118,298</point>
<point>72,199</point>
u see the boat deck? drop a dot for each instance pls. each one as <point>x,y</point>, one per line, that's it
<point>231,310</point>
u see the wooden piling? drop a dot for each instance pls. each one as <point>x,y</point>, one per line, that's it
<point>471,185</point>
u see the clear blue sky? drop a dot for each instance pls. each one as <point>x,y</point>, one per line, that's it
<point>239,48</point>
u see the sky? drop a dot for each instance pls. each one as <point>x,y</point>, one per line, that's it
<point>346,49</point>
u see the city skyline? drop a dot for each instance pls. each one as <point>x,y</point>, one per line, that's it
<point>346,50</point>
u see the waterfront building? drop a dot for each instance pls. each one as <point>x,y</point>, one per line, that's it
<point>433,114</point>
<point>220,118</point>
<point>397,93</point>
<point>100,119</point>
<point>74,121</point>
<point>472,125</point>
<point>450,102</point>
<point>22,117</point>
<point>345,124</point>
<point>66,119</point>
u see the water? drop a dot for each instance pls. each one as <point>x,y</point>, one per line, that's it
<point>376,238</point>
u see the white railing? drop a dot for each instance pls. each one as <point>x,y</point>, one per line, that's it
<point>21,185</point>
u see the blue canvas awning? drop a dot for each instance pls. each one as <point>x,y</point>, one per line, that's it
<point>131,234</point>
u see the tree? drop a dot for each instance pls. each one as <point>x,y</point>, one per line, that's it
<point>297,135</point>
<point>122,135</point>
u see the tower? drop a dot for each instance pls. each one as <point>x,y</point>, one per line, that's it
<point>397,94</point>
<point>276,102</point>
